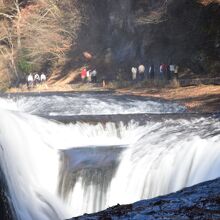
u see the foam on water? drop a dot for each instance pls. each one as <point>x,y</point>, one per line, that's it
<point>91,104</point>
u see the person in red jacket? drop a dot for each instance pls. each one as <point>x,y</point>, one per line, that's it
<point>83,74</point>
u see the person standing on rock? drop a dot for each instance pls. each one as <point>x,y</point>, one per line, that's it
<point>94,76</point>
<point>151,71</point>
<point>83,74</point>
<point>141,70</point>
<point>176,72</point>
<point>43,78</point>
<point>161,71</point>
<point>88,76</point>
<point>172,70</point>
<point>30,80</point>
<point>134,73</point>
<point>36,78</point>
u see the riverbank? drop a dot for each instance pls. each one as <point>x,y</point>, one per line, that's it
<point>202,98</point>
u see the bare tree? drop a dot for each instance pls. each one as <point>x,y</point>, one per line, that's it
<point>46,31</point>
<point>10,38</point>
<point>37,30</point>
<point>155,16</point>
<point>7,49</point>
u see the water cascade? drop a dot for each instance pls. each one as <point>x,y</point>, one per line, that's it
<point>56,171</point>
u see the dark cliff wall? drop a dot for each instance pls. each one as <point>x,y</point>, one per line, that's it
<point>121,33</point>
<point>6,209</point>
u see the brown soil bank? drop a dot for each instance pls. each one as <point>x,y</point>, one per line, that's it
<point>204,98</point>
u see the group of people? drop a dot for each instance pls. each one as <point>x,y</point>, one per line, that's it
<point>166,72</point>
<point>89,75</point>
<point>138,72</point>
<point>34,79</point>
<point>169,71</point>
<point>162,72</point>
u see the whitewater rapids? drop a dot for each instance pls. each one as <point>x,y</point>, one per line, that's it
<point>57,171</point>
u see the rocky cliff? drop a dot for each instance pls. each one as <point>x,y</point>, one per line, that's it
<point>6,208</point>
<point>198,202</point>
<point>121,33</point>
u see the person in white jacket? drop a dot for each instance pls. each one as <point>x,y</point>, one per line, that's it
<point>141,70</point>
<point>43,77</point>
<point>30,80</point>
<point>134,73</point>
<point>36,78</point>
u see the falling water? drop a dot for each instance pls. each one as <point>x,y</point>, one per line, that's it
<point>56,171</point>
<point>159,158</point>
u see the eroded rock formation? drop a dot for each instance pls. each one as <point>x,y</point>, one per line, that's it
<point>123,33</point>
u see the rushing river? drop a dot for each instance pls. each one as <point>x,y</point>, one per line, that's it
<point>66,154</point>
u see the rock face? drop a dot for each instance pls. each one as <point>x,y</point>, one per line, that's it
<point>5,207</point>
<point>197,202</point>
<point>124,33</point>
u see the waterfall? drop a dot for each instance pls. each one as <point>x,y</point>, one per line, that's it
<point>56,171</point>
<point>169,157</point>
<point>31,158</point>
<point>30,166</point>
<point>165,157</point>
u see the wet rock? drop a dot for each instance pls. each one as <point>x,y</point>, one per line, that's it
<point>6,212</point>
<point>201,201</point>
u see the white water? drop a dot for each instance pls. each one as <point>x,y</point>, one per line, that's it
<point>161,157</point>
<point>167,157</point>
<point>89,104</point>
<point>30,166</point>
<point>173,157</point>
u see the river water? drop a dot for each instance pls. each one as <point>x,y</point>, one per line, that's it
<point>65,154</point>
